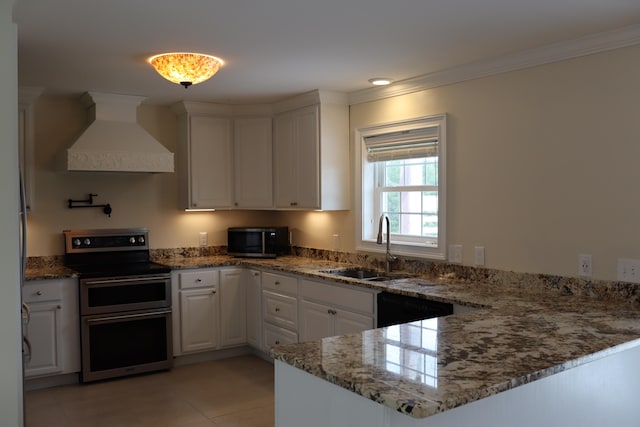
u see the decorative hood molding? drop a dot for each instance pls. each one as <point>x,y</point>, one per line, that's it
<point>113,141</point>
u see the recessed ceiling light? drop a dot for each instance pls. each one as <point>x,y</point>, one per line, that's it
<point>380,81</point>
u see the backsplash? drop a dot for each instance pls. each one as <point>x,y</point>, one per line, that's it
<point>435,269</point>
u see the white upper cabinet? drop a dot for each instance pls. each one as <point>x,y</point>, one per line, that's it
<point>224,157</point>
<point>311,152</point>
<point>253,163</point>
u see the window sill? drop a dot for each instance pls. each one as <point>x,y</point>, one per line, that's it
<point>409,250</point>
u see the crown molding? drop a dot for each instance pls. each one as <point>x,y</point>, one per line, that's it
<point>587,45</point>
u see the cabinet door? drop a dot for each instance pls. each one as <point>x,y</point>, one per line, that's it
<point>274,335</point>
<point>346,322</point>
<point>316,321</point>
<point>254,316</point>
<point>233,318</point>
<point>44,333</point>
<point>253,177</point>
<point>199,319</point>
<point>210,162</point>
<point>297,162</point>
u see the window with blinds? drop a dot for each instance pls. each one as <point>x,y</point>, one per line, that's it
<point>403,177</point>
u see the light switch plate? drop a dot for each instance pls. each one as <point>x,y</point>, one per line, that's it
<point>479,255</point>
<point>455,254</point>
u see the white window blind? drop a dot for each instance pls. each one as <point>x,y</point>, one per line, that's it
<point>406,144</point>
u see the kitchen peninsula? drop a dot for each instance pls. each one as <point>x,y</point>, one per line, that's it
<point>528,354</point>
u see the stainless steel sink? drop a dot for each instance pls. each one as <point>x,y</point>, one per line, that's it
<point>365,274</point>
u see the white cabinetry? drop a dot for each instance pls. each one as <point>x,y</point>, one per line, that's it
<point>253,178</point>
<point>279,309</point>
<point>205,161</point>
<point>328,310</point>
<point>198,310</point>
<point>233,315</point>
<point>253,283</point>
<point>211,312</point>
<point>53,328</point>
<point>224,159</point>
<point>311,152</point>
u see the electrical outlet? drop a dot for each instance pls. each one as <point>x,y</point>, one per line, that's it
<point>629,270</point>
<point>203,238</point>
<point>585,265</point>
<point>455,254</point>
<point>479,255</point>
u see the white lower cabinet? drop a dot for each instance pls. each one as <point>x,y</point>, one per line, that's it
<point>328,310</point>
<point>211,311</point>
<point>53,328</point>
<point>279,310</point>
<point>253,283</point>
<point>198,319</point>
<point>233,315</point>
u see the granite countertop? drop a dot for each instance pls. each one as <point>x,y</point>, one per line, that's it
<point>518,334</point>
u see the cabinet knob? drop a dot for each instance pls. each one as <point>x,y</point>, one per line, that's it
<point>199,280</point>
<point>213,291</point>
<point>236,204</point>
<point>256,274</point>
<point>277,342</point>
<point>332,311</point>
<point>39,293</point>
<point>277,309</point>
<point>195,205</point>
<point>276,283</point>
<point>58,307</point>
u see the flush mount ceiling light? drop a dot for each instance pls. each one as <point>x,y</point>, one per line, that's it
<point>186,68</point>
<point>380,81</point>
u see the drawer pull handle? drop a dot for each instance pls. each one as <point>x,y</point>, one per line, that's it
<point>213,291</point>
<point>331,311</point>
<point>39,293</point>
<point>277,309</point>
<point>199,280</point>
<point>277,342</point>
<point>276,282</point>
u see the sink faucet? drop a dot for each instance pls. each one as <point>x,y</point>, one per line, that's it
<point>390,258</point>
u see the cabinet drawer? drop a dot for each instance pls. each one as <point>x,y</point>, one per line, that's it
<point>199,279</point>
<point>334,295</point>
<point>280,310</point>
<point>279,283</point>
<point>39,292</point>
<point>277,336</point>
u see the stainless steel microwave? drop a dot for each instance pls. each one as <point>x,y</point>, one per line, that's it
<point>258,242</point>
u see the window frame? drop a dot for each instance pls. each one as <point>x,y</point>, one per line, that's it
<point>367,209</point>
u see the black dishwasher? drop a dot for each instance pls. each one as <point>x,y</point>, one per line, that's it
<point>395,308</point>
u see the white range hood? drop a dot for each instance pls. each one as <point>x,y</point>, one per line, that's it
<point>113,141</point>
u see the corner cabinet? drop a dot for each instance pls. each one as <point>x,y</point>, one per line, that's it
<point>311,152</point>
<point>211,312</point>
<point>224,160</point>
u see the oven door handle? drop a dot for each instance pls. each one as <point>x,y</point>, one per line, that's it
<point>128,316</point>
<point>133,279</point>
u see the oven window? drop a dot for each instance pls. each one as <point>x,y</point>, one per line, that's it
<point>120,344</point>
<point>111,295</point>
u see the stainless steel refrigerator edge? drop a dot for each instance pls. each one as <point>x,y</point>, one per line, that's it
<point>10,354</point>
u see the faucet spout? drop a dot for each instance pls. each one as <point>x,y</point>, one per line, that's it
<point>390,258</point>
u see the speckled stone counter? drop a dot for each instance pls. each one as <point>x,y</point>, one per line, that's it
<point>526,327</point>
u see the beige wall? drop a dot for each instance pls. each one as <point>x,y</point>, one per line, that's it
<point>543,163</point>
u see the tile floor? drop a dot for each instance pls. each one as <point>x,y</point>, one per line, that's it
<point>235,392</point>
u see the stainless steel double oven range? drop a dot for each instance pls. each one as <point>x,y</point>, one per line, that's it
<point>125,303</point>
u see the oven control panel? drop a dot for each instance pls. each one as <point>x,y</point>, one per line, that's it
<point>105,240</point>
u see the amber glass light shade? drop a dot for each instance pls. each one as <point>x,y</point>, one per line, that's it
<point>186,68</point>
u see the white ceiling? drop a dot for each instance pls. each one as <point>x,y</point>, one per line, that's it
<point>278,48</point>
